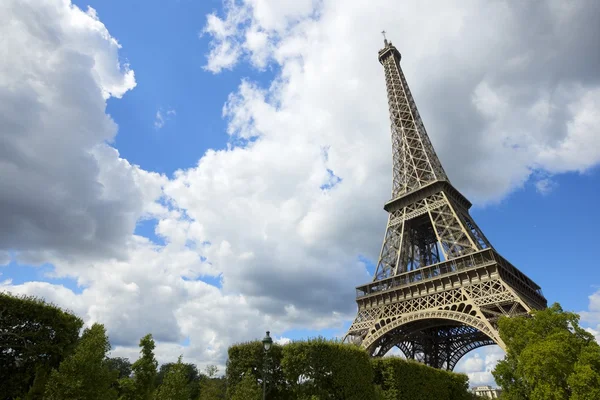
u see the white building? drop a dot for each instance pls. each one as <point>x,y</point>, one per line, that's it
<point>487,391</point>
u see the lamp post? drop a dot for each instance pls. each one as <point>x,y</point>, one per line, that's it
<point>267,342</point>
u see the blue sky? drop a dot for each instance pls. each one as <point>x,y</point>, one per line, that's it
<point>264,224</point>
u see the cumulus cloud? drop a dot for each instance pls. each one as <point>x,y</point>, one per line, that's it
<point>591,316</point>
<point>63,191</point>
<point>487,95</point>
<point>251,29</point>
<point>479,365</point>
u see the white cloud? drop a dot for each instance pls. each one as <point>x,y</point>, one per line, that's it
<point>594,332</point>
<point>283,341</point>
<point>492,77</point>
<point>545,186</point>
<point>159,120</point>
<point>591,316</point>
<point>147,294</point>
<point>252,28</point>
<point>474,364</point>
<point>579,149</point>
<point>395,352</point>
<point>479,364</point>
<point>64,192</point>
<point>161,117</point>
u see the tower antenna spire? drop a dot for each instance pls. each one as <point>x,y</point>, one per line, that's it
<point>384,38</point>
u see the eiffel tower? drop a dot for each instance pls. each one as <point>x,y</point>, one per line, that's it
<point>439,287</point>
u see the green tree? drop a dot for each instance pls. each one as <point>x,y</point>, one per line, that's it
<point>175,383</point>
<point>211,386</point>
<point>37,389</point>
<point>549,357</point>
<point>84,374</point>
<point>122,368</point>
<point>247,388</point>
<point>121,365</point>
<point>191,373</point>
<point>143,382</point>
<point>35,337</point>
<point>211,371</point>
<point>585,380</point>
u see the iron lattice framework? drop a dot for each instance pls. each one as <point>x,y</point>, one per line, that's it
<point>439,287</point>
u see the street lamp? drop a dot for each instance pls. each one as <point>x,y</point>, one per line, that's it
<point>267,342</point>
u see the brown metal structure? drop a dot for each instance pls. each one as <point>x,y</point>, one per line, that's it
<point>439,287</point>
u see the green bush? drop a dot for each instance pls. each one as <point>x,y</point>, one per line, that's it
<point>406,379</point>
<point>327,370</point>
<point>249,358</point>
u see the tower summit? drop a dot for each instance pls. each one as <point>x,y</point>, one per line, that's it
<point>439,287</point>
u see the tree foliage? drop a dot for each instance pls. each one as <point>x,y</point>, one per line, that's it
<point>122,368</point>
<point>84,374</point>
<point>175,383</point>
<point>211,386</point>
<point>548,357</point>
<point>247,388</point>
<point>585,379</point>
<point>121,365</point>
<point>191,373</point>
<point>143,382</point>
<point>35,337</point>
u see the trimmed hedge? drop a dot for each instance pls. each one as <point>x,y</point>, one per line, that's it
<point>249,358</point>
<point>327,370</point>
<point>321,369</point>
<point>402,379</point>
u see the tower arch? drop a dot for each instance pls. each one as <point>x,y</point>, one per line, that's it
<point>438,339</point>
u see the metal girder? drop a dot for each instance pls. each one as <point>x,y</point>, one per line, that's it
<point>439,287</point>
<point>432,220</point>
<point>415,163</point>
